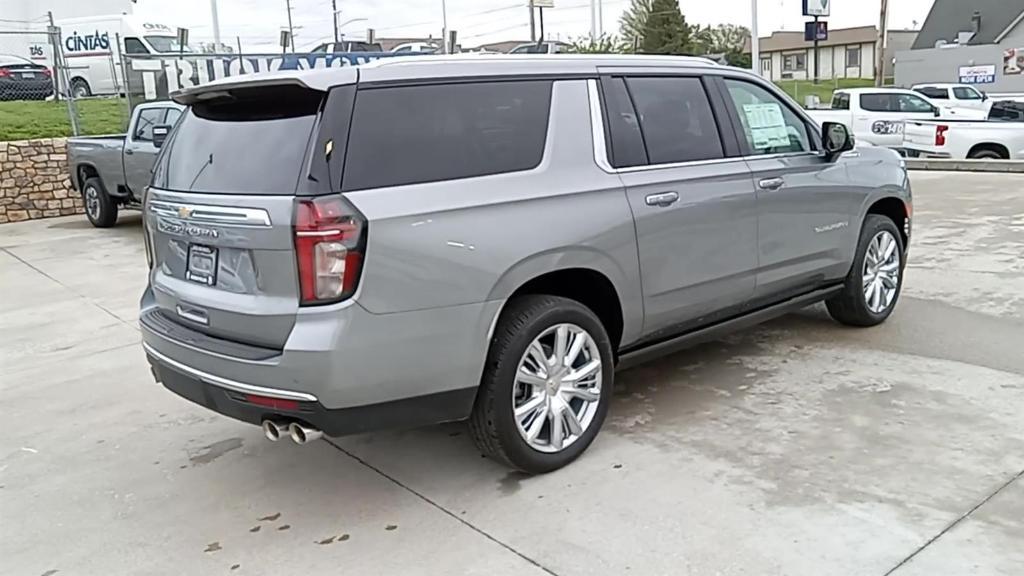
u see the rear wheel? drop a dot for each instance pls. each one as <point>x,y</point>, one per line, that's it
<point>546,386</point>
<point>80,88</point>
<point>986,155</point>
<point>873,285</point>
<point>100,208</point>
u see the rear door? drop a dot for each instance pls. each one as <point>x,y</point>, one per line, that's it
<point>219,213</point>
<point>804,202</point>
<point>691,196</point>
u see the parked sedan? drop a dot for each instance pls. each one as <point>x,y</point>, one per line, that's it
<point>21,79</point>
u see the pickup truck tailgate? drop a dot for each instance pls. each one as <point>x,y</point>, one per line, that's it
<point>921,135</point>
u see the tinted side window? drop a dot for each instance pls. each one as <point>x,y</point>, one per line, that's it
<point>878,102</point>
<point>769,125</point>
<point>413,134</point>
<point>134,46</point>
<point>911,103</point>
<point>626,144</point>
<point>938,93</point>
<point>147,119</point>
<point>676,119</point>
<point>841,101</point>
<point>965,94</point>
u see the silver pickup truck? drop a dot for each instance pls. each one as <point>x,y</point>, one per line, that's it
<point>112,171</point>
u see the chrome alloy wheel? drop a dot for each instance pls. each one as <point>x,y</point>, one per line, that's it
<point>558,388</point>
<point>881,276</point>
<point>92,202</point>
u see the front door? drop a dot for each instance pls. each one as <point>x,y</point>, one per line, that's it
<point>139,151</point>
<point>804,202</point>
<point>695,210</point>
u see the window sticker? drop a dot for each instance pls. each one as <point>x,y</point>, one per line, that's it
<point>767,126</point>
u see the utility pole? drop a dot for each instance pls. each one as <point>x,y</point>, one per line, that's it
<point>600,17</point>
<point>445,48</point>
<point>883,32</point>
<point>755,41</point>
<point>334,17</point>
<point>216,25</point>
<point>817,79</point>
<point>533,24</point>
<point>291,32</point>
<point>593,20</point>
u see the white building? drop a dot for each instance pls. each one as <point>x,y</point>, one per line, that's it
<point>848,53</point>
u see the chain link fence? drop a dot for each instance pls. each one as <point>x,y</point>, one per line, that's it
<point>47,90</point>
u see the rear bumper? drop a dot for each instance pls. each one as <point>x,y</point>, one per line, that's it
<point>916,153</point>
<point>339,363</point>
<point>406,413</point>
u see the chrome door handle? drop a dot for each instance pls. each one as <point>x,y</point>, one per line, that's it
<point>129,151</point>
<point>663,199</point>
<point>770,183</point>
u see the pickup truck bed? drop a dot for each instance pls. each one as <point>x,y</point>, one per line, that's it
<point>1000,137</point>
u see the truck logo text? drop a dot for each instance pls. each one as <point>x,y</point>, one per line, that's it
<point>88,42</point>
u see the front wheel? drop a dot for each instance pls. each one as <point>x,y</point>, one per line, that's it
<point>100,208</point>
<point>873,285</point>
<point>546,386</point>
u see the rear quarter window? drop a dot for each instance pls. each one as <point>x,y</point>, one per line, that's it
<point>415,134</point>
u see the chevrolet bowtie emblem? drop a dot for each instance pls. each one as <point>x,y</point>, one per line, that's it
<point>184,212</point>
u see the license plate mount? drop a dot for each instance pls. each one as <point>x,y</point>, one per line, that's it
<point>202,264</point>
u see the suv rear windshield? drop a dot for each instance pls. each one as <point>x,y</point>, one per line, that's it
<point>250,141</point>
<point>414,134</point>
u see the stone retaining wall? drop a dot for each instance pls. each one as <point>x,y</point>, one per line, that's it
<point>34,180</point>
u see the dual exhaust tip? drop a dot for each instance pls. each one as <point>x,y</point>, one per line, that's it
<point>299,433</point>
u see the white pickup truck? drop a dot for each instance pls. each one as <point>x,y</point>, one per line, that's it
<point>999,137</point>
<point>876,115</point>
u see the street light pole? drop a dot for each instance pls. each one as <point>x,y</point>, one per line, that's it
<point>445,49</point>
<point>755,42</point>
<point>593,20</point>
<point>291,32</point>
<point>216,25</point>
<point>334,17</point>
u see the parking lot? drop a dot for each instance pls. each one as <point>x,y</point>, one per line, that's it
<point>799,447</point>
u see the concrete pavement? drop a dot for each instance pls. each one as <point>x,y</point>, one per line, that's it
<point>799,447</point>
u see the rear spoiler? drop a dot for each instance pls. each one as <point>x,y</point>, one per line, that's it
<point>319,80</point>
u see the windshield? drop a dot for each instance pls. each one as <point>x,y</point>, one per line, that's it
<point>166,44</point>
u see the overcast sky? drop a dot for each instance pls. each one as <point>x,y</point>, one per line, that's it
<point>480,21</point>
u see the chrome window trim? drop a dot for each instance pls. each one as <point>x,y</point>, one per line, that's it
<point>601,145</point>
<point>226,383</point>
<point>203,214</point>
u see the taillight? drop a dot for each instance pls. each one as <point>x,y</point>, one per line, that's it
<point>940,134</point>
<point>330,239</point>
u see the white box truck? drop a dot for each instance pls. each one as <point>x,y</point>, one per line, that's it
<point>93,55</point>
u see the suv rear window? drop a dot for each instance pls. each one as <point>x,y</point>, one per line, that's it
<point>413,134</point>
<point>250,141</point>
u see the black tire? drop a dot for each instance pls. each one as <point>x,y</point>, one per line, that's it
<point>492,423</point>
<point>851,306</point>
<point>987,155</point>
<point>101,209</point>
<point>80,88</point>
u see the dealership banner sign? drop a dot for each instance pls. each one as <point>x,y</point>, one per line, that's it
<point>156,77</point>
<point>977,74</point>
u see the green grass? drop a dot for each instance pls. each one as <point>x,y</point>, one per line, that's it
<point>799,89</point>
<point>23,120</point>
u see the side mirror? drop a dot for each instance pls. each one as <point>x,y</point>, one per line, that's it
<point>984,95</point>
<point>836,139</point>
<point>160,133</point>
<point>936,112</point>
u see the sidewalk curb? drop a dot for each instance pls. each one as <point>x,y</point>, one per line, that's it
<point>1004,166</point>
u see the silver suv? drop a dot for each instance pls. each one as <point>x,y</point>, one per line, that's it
<point>435,238</point>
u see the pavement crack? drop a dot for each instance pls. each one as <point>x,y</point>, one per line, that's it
<point>953,524</point>
<point>69,289</point>
<point>444,510</point>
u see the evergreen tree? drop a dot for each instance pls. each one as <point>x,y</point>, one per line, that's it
<point>665,31</point>
<point>633,22</point>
